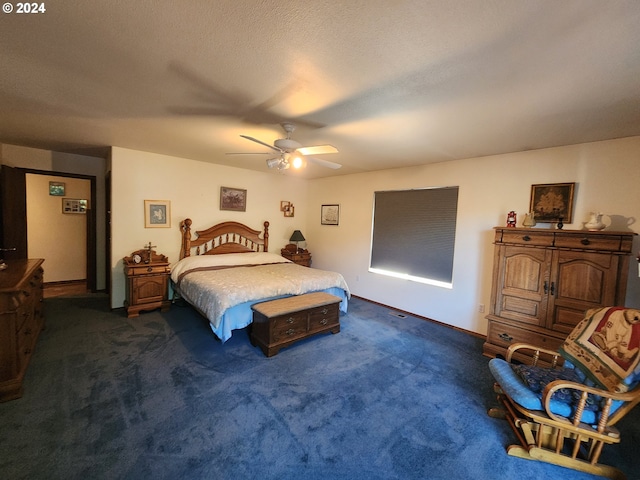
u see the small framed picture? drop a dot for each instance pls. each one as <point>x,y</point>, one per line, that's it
<point>289,211</point>
<point>234,199</point>
<point>157,214</point>
<point>74,205</point>
<point>330,215</point>
<point>284,205</point>
<point>56,189</point>
<point>552,202</point>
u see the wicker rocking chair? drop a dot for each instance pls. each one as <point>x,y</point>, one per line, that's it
<point>564,412</point>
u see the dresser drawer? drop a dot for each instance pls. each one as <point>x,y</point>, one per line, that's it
<point>539,239</point>
<point>610,243</point>
<point>504,335</point>
<point>26,341</point>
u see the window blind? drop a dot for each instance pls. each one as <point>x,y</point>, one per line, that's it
<point>414,233</point>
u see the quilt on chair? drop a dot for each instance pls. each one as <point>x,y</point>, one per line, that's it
<point>605,345</point>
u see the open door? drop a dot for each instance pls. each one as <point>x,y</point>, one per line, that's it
<point>13,209</point>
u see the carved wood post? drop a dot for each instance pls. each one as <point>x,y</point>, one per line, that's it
<point>266,236</point>
<point>185,226</point>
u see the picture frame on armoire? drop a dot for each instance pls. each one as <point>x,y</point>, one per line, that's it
<point>552,202</point>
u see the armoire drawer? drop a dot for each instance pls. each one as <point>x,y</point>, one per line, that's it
<point>609,243</point>
<point>503,334</point>
<point>528,237</point>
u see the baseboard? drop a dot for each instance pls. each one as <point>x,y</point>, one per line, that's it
<point>64,283</point>
<point>468,332</point>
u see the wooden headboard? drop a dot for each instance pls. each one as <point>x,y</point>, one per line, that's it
<point>226,237</point>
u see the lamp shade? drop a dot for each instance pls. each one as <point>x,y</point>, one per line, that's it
<point>297,236</point>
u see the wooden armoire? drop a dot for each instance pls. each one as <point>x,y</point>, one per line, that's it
<point>545,280</point>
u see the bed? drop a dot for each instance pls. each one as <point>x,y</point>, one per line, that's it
<point>225,269</point>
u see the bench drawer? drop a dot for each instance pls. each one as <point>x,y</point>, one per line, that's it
<point>288,326</point>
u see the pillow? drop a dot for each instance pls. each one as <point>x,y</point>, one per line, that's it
<point>537,378</point>
<point>605,346</point>
<point>223,260</point>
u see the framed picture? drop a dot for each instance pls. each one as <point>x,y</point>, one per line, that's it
<point>284,205</point>
<point>330,214</point>
<point>289,211</point>
<point>56,189</point>
<point>234,199</point>
<point>157,214</point>
<point>551,202</point>
<point>74,205</point>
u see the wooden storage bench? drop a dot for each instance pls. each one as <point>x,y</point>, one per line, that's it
<point>279,323</point>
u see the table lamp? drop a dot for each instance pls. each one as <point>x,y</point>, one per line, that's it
<point>297,237</point>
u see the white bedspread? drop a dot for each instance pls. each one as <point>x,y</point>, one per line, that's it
<point>215,284</point>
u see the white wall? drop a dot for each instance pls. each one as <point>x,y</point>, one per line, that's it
<point>193,188</point>
<point>607,176</point>
<point>59,238</point>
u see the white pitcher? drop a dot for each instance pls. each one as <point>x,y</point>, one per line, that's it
<point>595,222</point>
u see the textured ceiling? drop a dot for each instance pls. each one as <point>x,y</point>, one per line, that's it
<point>391,83</point>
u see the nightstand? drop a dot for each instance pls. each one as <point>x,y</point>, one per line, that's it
<point>301,257</point>
<point>147,282</point>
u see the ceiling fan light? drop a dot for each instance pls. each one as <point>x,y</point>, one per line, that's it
<point>298,161</point>
<point>273,162</point>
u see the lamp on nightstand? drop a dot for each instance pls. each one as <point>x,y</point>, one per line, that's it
<point>297,237</point>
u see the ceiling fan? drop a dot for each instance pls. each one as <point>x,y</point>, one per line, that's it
<point>291,153</point>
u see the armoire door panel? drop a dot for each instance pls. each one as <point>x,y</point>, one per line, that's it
<point>525,273</point>
<point>583,280</point>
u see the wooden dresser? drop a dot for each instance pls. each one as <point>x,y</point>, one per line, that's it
<point>545,280</point>
<point>147,275</point>
<point>21,320</point>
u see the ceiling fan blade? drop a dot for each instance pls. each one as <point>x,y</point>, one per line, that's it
<point>318,150</point>
<point>261,143</point>
<point>324,163</point>
<point>206,111</point>
<point>249,153</point>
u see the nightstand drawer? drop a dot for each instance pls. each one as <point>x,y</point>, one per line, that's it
<point>147,270</point>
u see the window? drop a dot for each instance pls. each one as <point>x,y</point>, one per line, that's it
<point>414,234</point>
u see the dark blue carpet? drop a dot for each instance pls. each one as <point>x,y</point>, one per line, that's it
<point>158,397</point>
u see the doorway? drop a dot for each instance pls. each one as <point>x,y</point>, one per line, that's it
<point>44,229</point>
